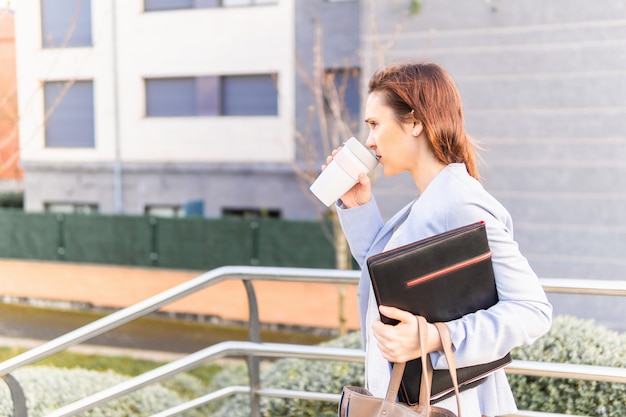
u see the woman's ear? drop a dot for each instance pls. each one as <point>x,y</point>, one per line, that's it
<point>417,128</point>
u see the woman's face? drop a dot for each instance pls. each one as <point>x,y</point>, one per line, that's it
<point>393,142</point>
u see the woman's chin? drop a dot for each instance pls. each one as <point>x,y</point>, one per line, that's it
<point>388,171</point>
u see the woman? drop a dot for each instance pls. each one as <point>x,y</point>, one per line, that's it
<point>415,120</point>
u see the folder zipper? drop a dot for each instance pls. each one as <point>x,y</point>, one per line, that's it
<point>449,269</point>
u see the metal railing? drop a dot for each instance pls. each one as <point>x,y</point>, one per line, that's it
<point>254,349</point>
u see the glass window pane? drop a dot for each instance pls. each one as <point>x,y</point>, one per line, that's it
<point>250,95</point>
<point>234,3</point>
<point>346,82</point>
<point>206,4</point>
<point>208,91</point>
<point>151,5</point>
<point>65,23</point>
<point>352,98</point>
<point>81,208</point>
<point>171,97</point>
<point>70,114</point>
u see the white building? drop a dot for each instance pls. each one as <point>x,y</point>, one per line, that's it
<point>163,103</point>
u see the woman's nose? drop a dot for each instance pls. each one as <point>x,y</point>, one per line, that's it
<point>370,143</point>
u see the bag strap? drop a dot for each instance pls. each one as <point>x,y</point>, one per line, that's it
<point>446,341</point>
<point>396,380</point>
<point>427,367</point>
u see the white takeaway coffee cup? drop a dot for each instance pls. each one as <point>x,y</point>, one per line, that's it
<point>343,171</point>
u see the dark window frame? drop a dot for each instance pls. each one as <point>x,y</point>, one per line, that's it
<point>251,212</point>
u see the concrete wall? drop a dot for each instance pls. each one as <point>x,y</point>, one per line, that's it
<point>544,90</point>
<point>338,24</point>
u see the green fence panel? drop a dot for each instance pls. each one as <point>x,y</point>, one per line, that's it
<point>28,236</point>
<point>203,244</point>
<point>189,243</point>
<point>295,244</point>
<point>118,240</point>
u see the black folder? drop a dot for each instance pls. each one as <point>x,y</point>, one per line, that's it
<point>441,278</point>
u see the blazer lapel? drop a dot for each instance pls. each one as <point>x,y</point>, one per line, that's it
<point>389,227</point>
<point>378,246</point>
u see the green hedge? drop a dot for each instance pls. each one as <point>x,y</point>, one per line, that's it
<point>576,341</point>
<point>48,388</point>
<point>570,340</point>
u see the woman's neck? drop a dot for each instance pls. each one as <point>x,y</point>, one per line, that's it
<point>425,171</point>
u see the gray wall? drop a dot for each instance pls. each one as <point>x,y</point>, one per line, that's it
<point>544,90</point>
<point>218,186</point>
<point>339,23</point>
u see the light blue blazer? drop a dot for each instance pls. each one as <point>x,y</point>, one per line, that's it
<point>523,314</point>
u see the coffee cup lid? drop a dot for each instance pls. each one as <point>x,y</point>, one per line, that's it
<point>366,156</point>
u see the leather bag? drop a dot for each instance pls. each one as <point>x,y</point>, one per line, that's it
<point>359,402</point>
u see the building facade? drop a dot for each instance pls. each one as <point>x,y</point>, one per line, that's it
<point>161,107</point>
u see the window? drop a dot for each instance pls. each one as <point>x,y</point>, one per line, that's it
<point>171,97</point>
<point>69,114</point>
<point>250,95</point>
<point>65,23</point>
<point>343,84</point>
<point>155,5</point>
<point>164,210</point>
<point>253,213</point>
<point>235,3</point>
<point>80,208</point>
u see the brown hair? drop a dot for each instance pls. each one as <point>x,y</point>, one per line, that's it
<point>424,92</point>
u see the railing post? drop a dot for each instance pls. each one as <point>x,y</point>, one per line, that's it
<point>154,241</point>
<point>17,395</point>
<point>254,335</point>
<point>255,257</point>
<point>60,237</point>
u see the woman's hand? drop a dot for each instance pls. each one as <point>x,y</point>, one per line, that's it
<point>358,195</point>
<point>400,343</point>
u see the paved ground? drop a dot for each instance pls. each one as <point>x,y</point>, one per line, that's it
<point>147,354</point>
<point>292,305</point>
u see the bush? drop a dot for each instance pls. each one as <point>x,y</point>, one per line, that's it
<point>575,341</point>
<point>48,388</point>
<point>301,375</point>
<point>570,340</point>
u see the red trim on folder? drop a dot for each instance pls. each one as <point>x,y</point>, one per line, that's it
<point>449,269</point>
